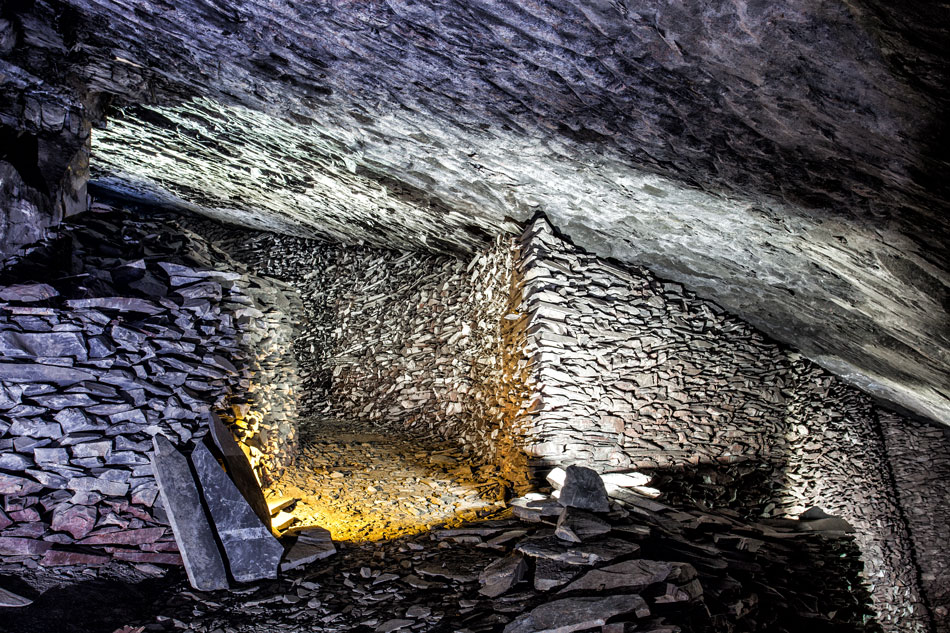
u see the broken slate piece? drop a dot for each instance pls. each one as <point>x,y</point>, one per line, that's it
<point>502,575</point>
<point>584,489</point>
<point>122,304</point>
<point>10,599</point>
<point>28,293</point>
<point>238,467</point>
<point>251,550</point>
<point>553,548</point>
<point>25,373</point>
<point>46,344</point>
<point>577,614</point>
<point>549,574</point>
<point>312,544</point>
<point>193,532</point>
<point>576,525</point>
<point>631,575</point>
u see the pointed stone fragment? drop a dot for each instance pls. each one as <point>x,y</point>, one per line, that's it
<point>584,489</point>
<point>235,461</point>
<point>251,550</point>
<point>193,532</point>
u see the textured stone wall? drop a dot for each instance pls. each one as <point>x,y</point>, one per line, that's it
<point>919,456</point>
<point>407,340</point>
<point>633,372</point>
<point>115,331</point>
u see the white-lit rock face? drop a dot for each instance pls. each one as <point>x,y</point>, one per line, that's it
<point>778,159</point>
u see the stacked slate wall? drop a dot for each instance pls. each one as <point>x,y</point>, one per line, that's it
<point>113,332</point>
<point>410,341</point>
<point>919,456</point>
<point>635,373</point>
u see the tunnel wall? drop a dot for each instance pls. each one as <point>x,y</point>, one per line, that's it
<point>118,330</point>
<point>636,373</point>
<point>411,341</point>
<point>919,455</point>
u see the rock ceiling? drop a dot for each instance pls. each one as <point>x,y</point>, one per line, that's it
<point>781,159</point>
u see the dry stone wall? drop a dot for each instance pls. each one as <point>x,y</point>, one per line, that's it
<point>636,373</point>
<point>113,332</point>
<point>919,456</point>
<point>406,340</point>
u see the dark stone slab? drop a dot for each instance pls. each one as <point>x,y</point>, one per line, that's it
<point>13,485</point>
<point>577,525</point>
<point>238,467</point>
<point>577,614</point>
<point>502,575</point>
<point>12,600</point>
<point>13,546</point>
<point>312,544</point>
<point>632,575</point>
<point>251,550</point>
<point>584,489</point>
<point>120,304</point>
<point>553,548</point>
<point>193,532</point>
<point>56,558</point>
<point>48,344</point>
<point>549,574</point>
<point>28,293</point>
<point>78,520</point>
<point>34,372</point>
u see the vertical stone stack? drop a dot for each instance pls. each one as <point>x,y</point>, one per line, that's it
<point>120,330</point>
<point>919,455</point>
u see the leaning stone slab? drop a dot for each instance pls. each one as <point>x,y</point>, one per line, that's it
<point>239,468</point>
<point>10,599</point>
<point>576,525</point>
<point>502,575</point>
<point>193,533</point>
<point>577,614</point>
<point>584,489</point>
<point>632,575</point>
<point>251,550</point>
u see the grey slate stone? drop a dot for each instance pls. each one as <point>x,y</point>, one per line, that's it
<point>10,599</point>
<point>577,525</point>
<point>182,502</point>
<point>34,372</point>
<point>577,614</point>
<point>42,344</point>
<point>632,575</point>
<point>238,467</point>
<point>312,544</point>
<point>584,489</point>
<point>502,575</point>
<point>28,293</point>
<point>251,550</point>
<point>122,304</point>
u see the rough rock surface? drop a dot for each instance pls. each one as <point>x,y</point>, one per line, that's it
<point>784,161</point>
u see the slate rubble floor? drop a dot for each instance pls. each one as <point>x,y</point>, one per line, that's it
<point>363,485</point>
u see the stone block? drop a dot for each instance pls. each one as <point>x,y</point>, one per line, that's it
<point>78,520</point>
<point>193,532</point>
<point>584,489</point>
<point>251,550</point>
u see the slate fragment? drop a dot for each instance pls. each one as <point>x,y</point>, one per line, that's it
<point>238,467</point>
<point>584,489</point>
<point>577,614</point>
<point>193,532</point>
<point>250,549</point>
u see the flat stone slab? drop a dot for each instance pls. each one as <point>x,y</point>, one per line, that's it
<point>239,469</point>
<point>10,599</point>
<point>312,544</point>
<point>502,575</point>
<point>251,550</point>
<point>576,525</point>
<point>34,345</point>
<point>28,293</point>
<point>553,548</point>
<point>577,614</point>
<point>631,575</point>
<point>25,373</point>
<point>193,532</point>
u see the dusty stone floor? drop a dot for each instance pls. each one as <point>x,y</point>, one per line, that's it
<point>362,485</point>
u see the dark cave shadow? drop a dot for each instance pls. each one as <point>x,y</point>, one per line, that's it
<point>99,605</point>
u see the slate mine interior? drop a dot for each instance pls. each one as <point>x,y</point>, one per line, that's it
<point>474,316</point>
